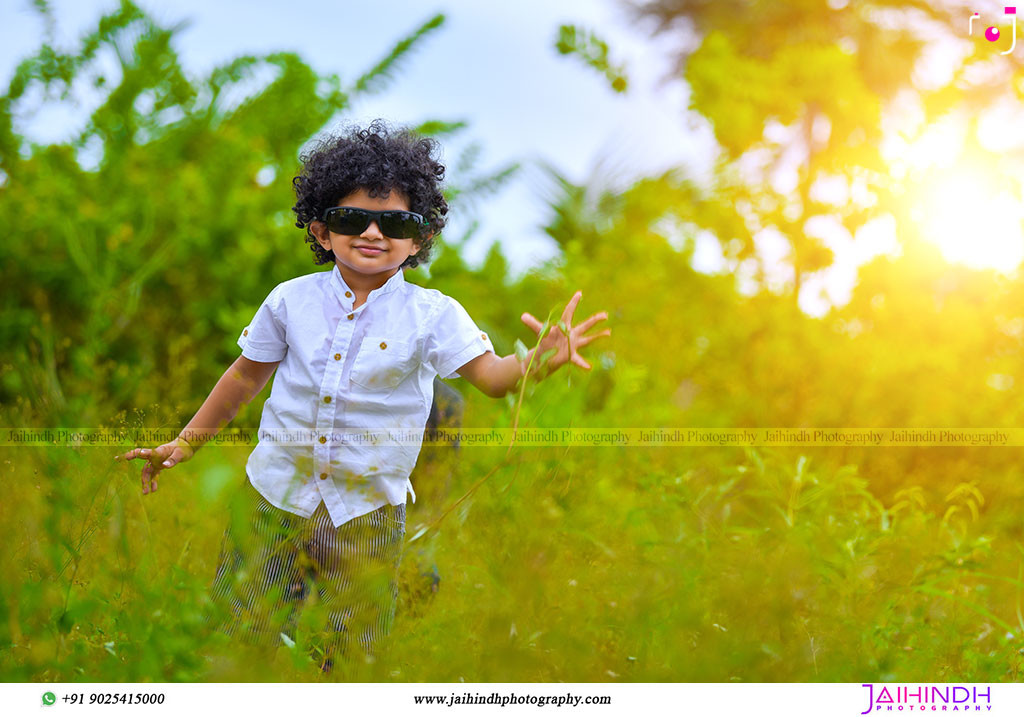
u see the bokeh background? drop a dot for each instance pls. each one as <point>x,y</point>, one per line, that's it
<point>802,214</point>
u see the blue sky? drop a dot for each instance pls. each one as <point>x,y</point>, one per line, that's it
<point>492,64</point>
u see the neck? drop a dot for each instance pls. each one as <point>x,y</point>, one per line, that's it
<point>362,283</point>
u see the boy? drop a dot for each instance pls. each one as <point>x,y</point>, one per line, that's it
<point>354,348</point>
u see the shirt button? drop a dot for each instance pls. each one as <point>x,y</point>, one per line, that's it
<point>348,294</point>
<point>483,336</point>
<point>245,333</point>
<point>323,439</point>
<point>323,476</point>
<point>327,399</point>
<point>351,316</point>
<point>337,357</point>
<point>383,345</point>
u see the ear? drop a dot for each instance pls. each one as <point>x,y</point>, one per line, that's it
<point>418,244</point>
<point>319,230</point>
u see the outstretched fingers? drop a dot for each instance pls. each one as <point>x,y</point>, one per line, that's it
<point>587,323</point>
<point>581,362</point>
<point>531,321</point>
<point>584,340</point>
<point>575,336</point>
<point>570,308</point>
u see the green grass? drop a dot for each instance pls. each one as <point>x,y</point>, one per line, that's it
<point>578,564</point>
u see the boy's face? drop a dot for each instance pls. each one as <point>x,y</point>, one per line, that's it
<point>370,254</point>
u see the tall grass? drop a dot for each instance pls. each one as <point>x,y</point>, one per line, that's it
<point>577,564</point>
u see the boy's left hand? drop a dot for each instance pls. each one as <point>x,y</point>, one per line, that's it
<point>566,344</point>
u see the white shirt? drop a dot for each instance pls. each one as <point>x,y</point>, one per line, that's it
<point>345,370</point>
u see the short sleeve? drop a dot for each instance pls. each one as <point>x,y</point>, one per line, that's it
<point>264,338</point>
<point>453,339</point>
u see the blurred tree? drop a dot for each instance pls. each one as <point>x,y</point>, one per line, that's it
<point>796,94</point>
<point>137,248</point>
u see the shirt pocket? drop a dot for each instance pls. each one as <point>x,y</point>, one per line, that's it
<point>382,363</point>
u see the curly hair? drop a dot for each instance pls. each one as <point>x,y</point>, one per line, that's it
<point>378,159</point>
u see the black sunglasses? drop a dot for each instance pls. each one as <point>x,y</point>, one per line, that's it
<point>394,224</point>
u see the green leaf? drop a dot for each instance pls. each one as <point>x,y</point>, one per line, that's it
<point>437,128</point>
<point>574,40</point>
<point>521,350</point>
<point>377,78</point>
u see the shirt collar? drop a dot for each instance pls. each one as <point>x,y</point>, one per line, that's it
<point>395,282</point>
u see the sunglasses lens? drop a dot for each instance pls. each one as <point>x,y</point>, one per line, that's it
<point>353,221</point>
<point>400,225</point>
<point>348,221</point>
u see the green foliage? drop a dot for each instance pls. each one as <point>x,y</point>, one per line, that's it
<point>795,94</point>
<point>383,72</point>
<point>739,93</point>
<point>168,211</point>
<point>575,40</point>
<point>574,563</point>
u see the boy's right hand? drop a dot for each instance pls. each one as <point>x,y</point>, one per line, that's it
<point>157,459</point>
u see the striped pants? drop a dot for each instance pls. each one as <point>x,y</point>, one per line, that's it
<point>345,579</point>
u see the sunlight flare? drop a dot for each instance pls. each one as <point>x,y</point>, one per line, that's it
<point>973,219</point>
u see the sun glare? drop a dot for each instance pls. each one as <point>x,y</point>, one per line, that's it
<point>972,219</point>
<point>964,193</point>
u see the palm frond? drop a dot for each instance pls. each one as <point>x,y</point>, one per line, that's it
<point>440,128</point>
<point>381,74</point>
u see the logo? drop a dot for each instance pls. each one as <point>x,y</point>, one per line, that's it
<point>948,698</point>
<point>992,33</point>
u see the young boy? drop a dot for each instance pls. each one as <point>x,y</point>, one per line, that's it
<point>355,348</point>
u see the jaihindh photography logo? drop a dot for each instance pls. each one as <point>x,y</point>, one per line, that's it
<point>992,33</point>
<point>947,698</point>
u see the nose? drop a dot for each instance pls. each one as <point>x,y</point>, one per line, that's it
<point>372,231</point>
